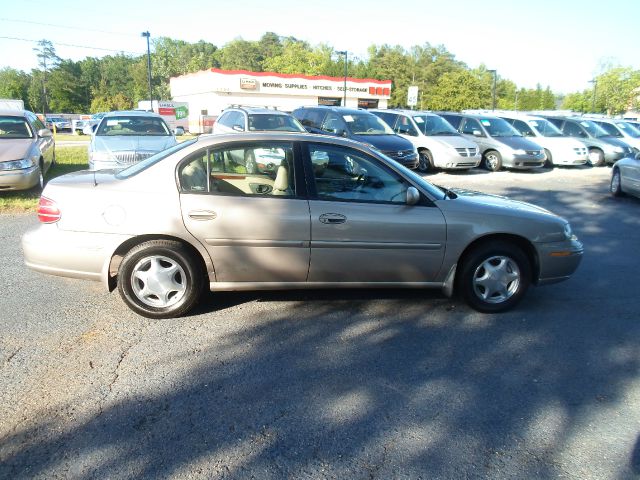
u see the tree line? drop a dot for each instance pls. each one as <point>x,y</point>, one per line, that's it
<point>118,82</point>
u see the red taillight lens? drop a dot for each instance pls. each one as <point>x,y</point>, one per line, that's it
<point>48,211</point>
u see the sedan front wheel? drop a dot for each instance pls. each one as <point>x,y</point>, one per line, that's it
<point>160,279</point>
<point>494,277</point>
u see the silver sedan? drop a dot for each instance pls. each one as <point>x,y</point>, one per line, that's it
<point>334,214</point>
<point>625,176</point>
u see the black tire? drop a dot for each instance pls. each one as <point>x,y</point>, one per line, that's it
<point>596,157</point>
<point>171,290</point>
<point>492,160</point>
<point>548,163</point>
<point>425,162</point>
<point>504,287</point>
<point>616,183</point>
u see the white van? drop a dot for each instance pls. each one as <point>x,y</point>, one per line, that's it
<point>559,148</point>
<point>437,142</point>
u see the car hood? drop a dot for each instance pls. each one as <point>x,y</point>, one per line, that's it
<point>518,143</point>
<point>122,143</point>
<point>14,148</point>
<point>615,141</point>
<point>385,143</point>
<point>455,141</point>
<point>559,142</point>
<point>471,197</point>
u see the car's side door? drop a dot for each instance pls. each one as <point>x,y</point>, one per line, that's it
<point>255,225</point>
<point>362,229</point>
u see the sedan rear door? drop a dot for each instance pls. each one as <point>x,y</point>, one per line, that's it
<point>253,222</point>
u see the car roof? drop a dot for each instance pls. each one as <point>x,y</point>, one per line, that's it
<point>335,109</point>
<point>131,113</point>
<point>10,112</point>
<point>405,111</point>
<point>279,136</point>
<point>256,110</point>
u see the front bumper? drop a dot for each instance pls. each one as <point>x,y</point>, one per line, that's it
<point>613,157</point>
<point>19,179</point>
<point>523,162</point>
<point>558,260</point>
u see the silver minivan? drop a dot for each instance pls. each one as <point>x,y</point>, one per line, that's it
<point>500,144</point>
<point>559,148</point>
<point>625,131</point>
<point>438,143</point>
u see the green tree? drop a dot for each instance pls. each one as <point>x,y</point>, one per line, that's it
<point>66,91</point>
<point>47,59</point>
<point>15,84</point>
<point>298,57</point>
<point>240,55</point>
<point>459,90</point>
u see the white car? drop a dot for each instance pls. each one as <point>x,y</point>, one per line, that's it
<point>438,143</point>
<point>559,148</point>
<point>625,176</point>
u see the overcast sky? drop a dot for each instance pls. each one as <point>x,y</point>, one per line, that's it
<point>560,43</point>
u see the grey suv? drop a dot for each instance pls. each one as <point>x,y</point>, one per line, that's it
<point>500,144</point>
<point>603,148</point>
<point>255,119</point>
<point>358,125</point>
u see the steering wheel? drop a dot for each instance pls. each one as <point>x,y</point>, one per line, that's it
<point>370,130</point>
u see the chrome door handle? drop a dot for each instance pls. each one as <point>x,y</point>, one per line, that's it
<point>202,215</point>
<point>332,218</point>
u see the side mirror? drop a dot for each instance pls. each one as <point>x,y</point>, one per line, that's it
<point>477,133</point>
<point>413,196</point>
<point>238,128</point>
<point>44,132</point>
<point>88,130</point>
<point>179,130</point>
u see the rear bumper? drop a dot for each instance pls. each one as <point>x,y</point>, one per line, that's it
<point>82,255</point>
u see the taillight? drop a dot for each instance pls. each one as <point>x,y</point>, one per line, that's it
<point>48,211</point>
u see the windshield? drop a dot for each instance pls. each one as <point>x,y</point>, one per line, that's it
<point>546,128</point>
<point>152,160</point>
<point>366,124</point>
<point>593,129</point>
<point>434,125</point>
<point>14,127</point>
<point>629,129</point>
<point>497,127</point>
<point>133,125</point>
<point>277,122</point>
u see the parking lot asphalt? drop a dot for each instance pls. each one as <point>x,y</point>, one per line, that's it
<point>335,384</point>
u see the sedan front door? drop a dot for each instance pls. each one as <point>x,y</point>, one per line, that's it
<point>362,230</point>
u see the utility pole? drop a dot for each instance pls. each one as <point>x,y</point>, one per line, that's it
<point>593,98</point>
<point>346,54</point>
<point>493,89</point>
<point>147,35</point>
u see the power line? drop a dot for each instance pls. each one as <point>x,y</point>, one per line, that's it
<point>68,27</point>
<point>72,45</point>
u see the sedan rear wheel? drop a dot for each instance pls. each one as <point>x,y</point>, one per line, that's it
<point>494,277</point>
<point>160,279</point>
<point>616,184</point>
